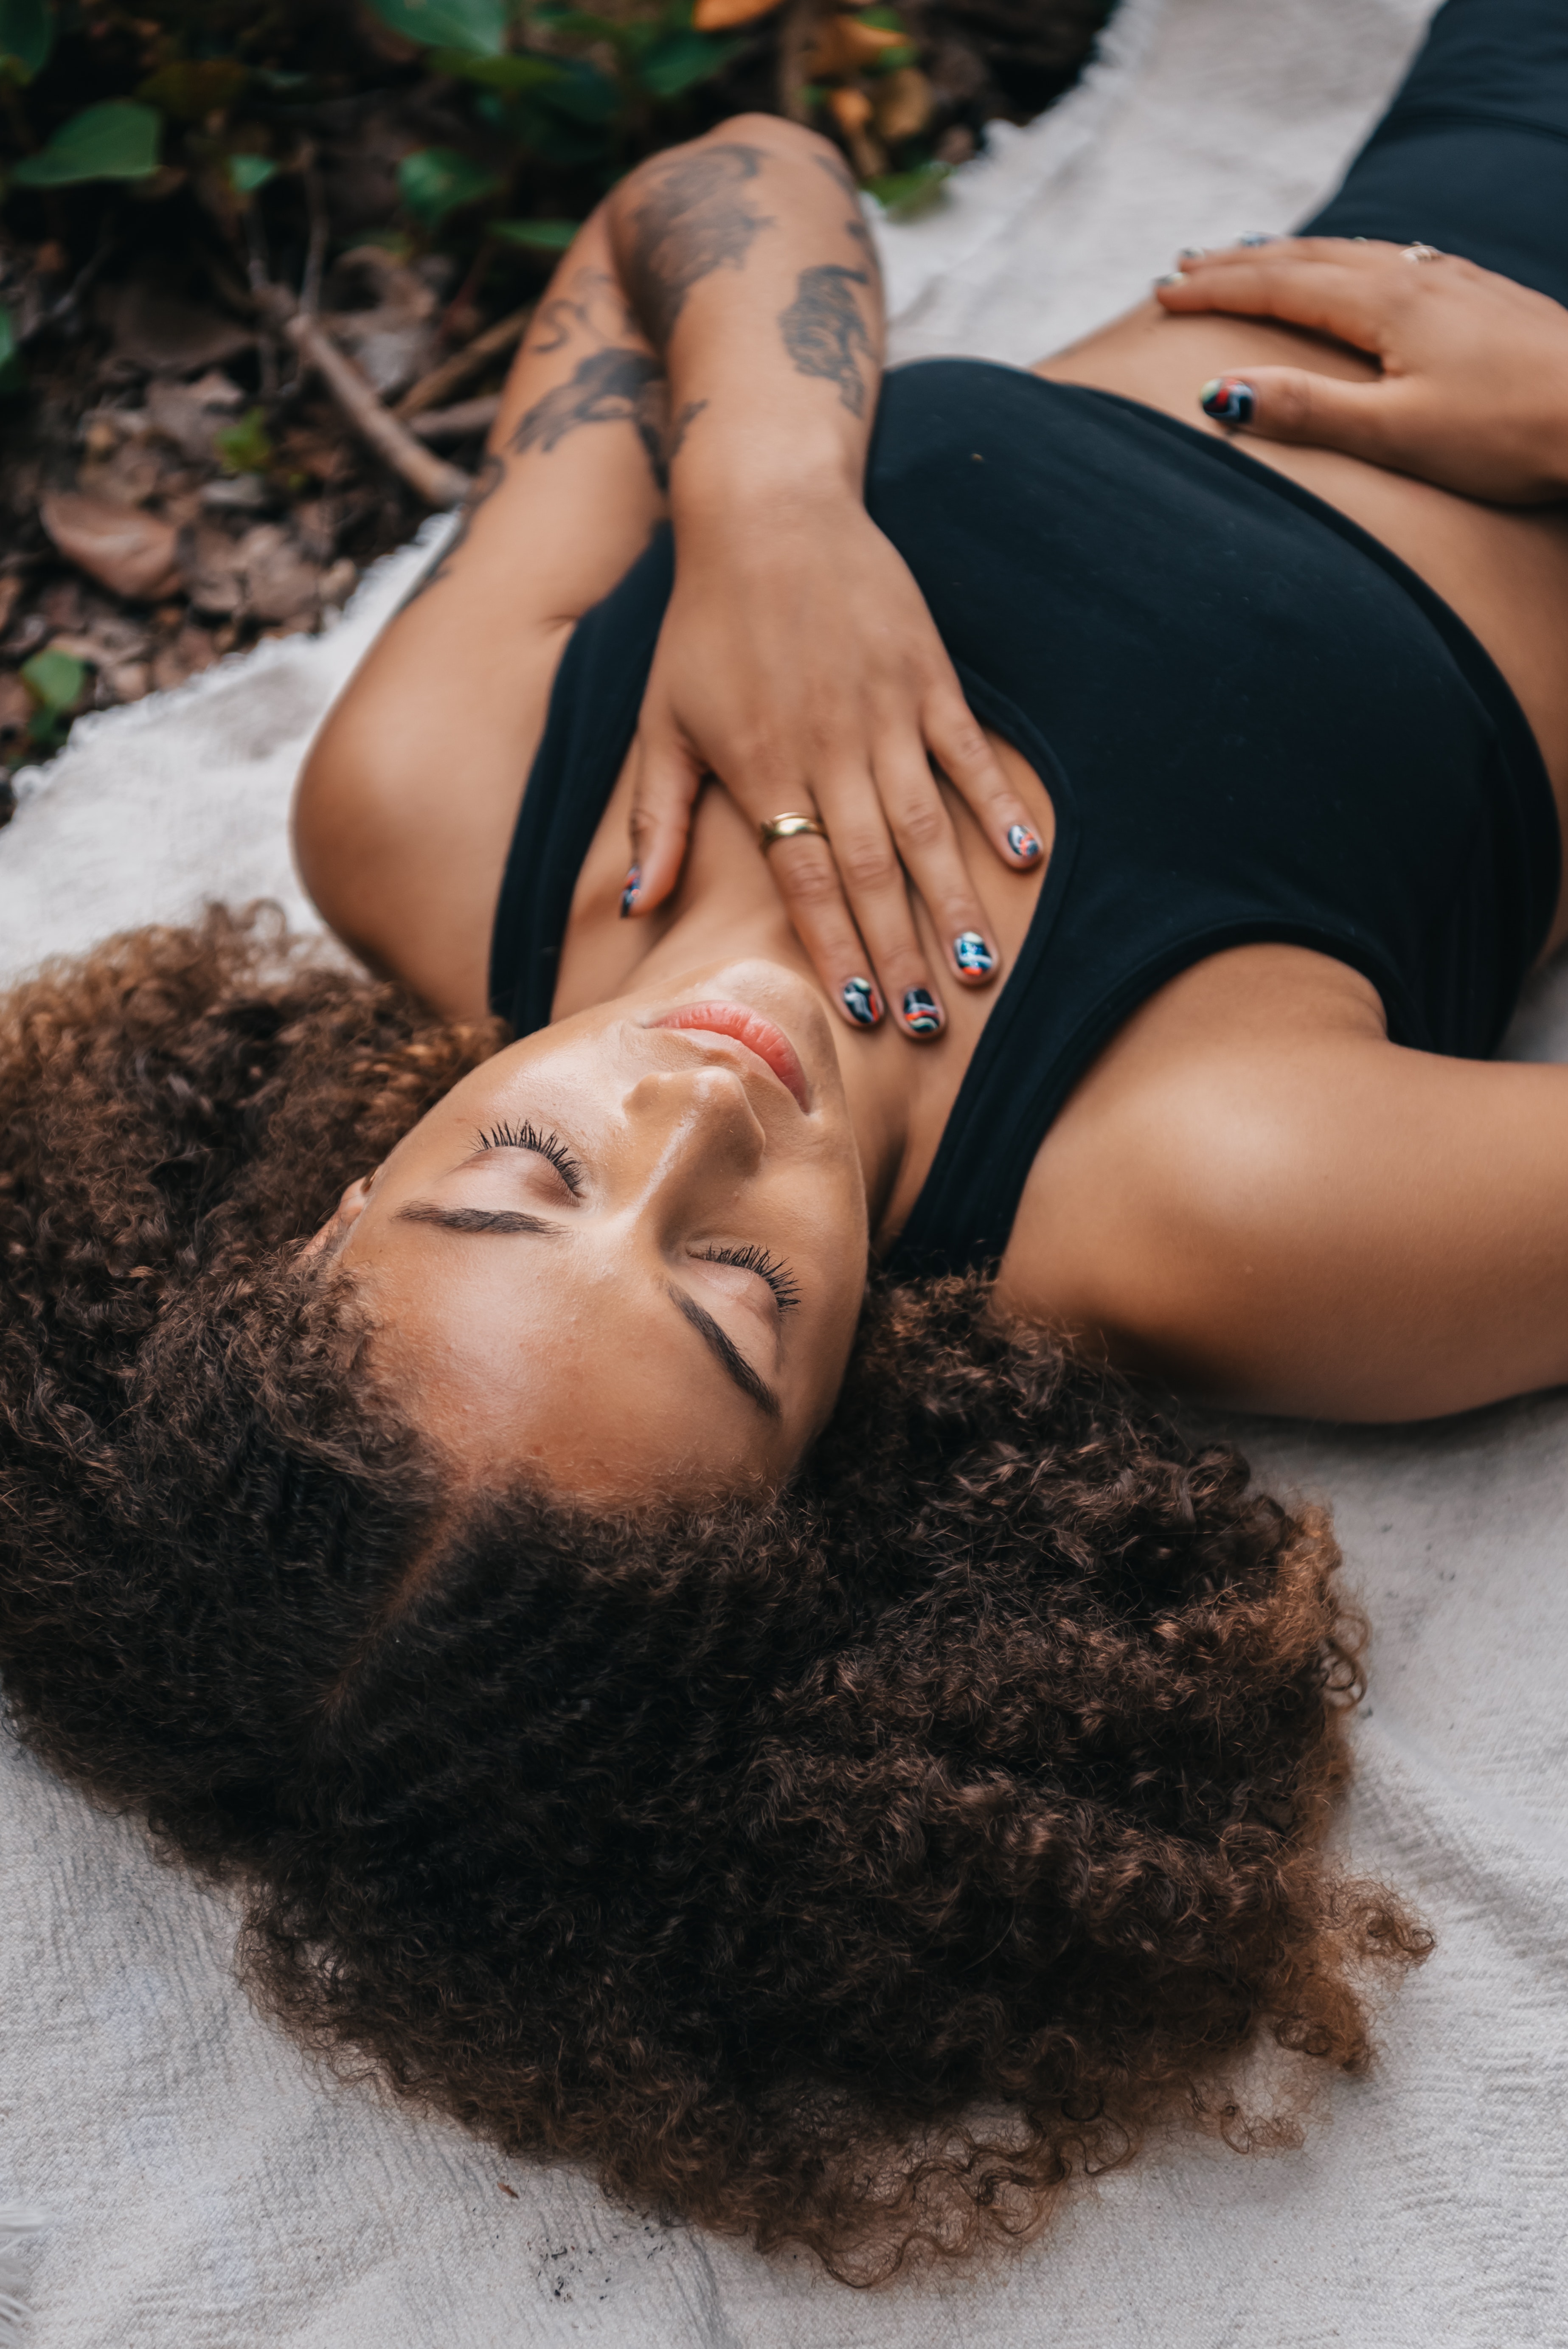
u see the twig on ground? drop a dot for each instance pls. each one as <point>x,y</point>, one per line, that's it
<point>441,381</point>
<point>315,253</point>
<point>797,36</point>
<point>439,484</point>
<point>260,278</point>
<point>456,423</point>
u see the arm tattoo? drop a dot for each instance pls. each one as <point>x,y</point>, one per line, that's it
<point>613,386</point>
<point>693,221</point>
<point>594,303</point>
<point>824,332</point>
<point>679,430</point>
<point>486,481</point>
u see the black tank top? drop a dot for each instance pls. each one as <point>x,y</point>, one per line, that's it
<point>1253,721</point>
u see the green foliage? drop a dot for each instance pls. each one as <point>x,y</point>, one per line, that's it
<point>511,73</point>
<point>246,446</point>
<point>115,140</point>
<point>249,172</point>
<point>536,235</point>
<point>905,195</point>
<point>13,376</point>
<point>477,27</point>
<point>27,36</point>
<point>56,682</point>
<point>436,181</point>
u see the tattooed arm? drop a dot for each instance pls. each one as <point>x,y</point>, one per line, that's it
<point>798,661</point>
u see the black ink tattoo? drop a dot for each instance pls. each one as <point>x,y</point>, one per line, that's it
<point>838,171</point>
<point>693,221</point>
<point>486,481</point>
<point>614,386</point>
<point>592,302</point>
<point>824,332</point>
<point>679,430</point>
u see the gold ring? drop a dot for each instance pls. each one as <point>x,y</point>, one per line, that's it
<point>1419,253</point>
<point>789,827</point>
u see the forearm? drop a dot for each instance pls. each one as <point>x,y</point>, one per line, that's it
<point>753,274</point>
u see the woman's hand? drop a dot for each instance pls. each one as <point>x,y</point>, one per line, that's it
<point>799,665</point>
<point>1474,389</point>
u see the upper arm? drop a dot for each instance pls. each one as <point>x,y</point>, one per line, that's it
<point>1341,1228</point>
<point>408,800</point>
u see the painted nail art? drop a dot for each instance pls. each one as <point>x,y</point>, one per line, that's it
<point>1192,252</point>
<point>922,1015</point>
<point>632,891</point>
<point>971,953</point>
<point>1259,236</point>
<point>1171,277</point>
<point>1022,842</point>
<point>1228,401</point>
<point>860,1000</point>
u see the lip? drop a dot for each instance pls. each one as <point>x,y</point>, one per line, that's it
<point>743,1026</point>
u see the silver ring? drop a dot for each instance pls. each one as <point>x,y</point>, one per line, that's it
<point>1419,253</point>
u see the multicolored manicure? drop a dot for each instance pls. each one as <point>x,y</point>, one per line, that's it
<point>1023,842</point>
<point>972,954</point>
<point>922,1012</point>
<point>1259,236</point>
<point>861,1002</point>
<point>631,890</point>
<point>1193,253</point>
<point>1228,401</point>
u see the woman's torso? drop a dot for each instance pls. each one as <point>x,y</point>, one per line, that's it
<point>1250,727</point>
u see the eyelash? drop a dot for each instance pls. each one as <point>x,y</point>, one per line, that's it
<point>758,1259</point>
<point>548,1145</point>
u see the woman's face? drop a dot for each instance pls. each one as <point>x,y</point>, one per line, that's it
<point>626,1256</point>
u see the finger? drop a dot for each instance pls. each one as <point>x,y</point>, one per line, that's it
<point>1345,251</point>
<point>877,887</point>
<point>961,749</point>
<point>1350,305</point>
<point>668,777</point>
<point>933,856</point>
<point>1292,404</point>
<point>807,881</point>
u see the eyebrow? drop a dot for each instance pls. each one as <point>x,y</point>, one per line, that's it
<point>726,1352</point>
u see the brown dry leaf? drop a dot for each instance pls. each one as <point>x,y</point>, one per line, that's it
<point>339,581</point>
<point>395,339</point>
<point>122,547</point>
<point>851,110</point>
<point>844,44</point>
<point>157,327</point>
<point>212,569</point>
<point>16,703</point>
<point>719,15</point>
<point>903,104</point>
<point>10,595</point>
<point>189,414</point>
<point>126,682</point>
<point>192,650</point>
<point>127,476</point>
<point>280,585</point>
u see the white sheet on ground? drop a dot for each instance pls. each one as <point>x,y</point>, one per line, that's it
<point>209,2191</point>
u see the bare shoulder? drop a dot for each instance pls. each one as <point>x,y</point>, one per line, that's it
<point>1255,1196</point>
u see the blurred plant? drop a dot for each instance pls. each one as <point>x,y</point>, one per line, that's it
<point>56,684</point>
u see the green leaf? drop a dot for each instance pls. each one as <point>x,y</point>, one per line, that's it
<point>246,446</point>
<point>509,73</point>
<point>54,680</point>
<point>537,236</point>
<point>249,172</point>
<point>683,59</point>
<point>117,140</point>
<point>13,376</point>
<point>905,195</point>
<point>582,94</point>
<point>27,36</point>
<point>477,27</point>
<point>436,181</point>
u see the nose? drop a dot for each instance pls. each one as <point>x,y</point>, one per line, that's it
<point>696,1127</point>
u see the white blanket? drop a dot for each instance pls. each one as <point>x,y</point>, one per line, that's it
<point>207,2190</point>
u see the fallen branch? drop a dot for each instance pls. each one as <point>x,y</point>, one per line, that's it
<point>439,484</point>
<point>433,388</point>
<point>456,422</point>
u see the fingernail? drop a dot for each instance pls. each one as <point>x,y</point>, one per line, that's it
<point>1193,253</point>
<point>922,1012</point>
<point>860,1000</point>
<point>1259,236</point>
<point>1228,401</point>
<point>971,953</point>
<point>1171,277</point>
<point>632,891</point>
<point>1022,842</point>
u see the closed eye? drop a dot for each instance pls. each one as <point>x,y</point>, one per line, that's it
<point>527,1136</point>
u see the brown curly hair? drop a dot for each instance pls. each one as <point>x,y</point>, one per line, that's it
<point>855,1868</point>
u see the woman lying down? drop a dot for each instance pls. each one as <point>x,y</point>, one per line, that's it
<point>610,1476</point>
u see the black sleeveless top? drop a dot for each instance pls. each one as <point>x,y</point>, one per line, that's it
<point>1254,723</point>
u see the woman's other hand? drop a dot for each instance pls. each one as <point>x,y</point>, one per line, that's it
<point>1474,389</point>
<point>798,664</point>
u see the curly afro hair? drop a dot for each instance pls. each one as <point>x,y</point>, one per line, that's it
<point>853,1868</point>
